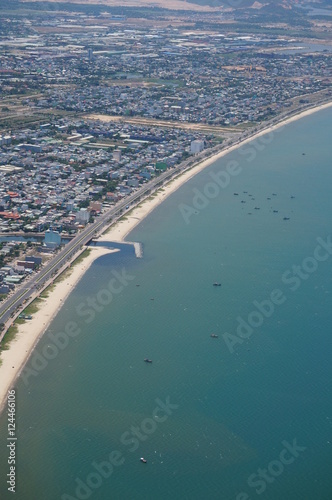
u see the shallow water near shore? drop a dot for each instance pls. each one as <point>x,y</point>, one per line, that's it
<point>229,413</point>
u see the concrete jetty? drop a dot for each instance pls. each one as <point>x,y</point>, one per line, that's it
<point>138,250</point>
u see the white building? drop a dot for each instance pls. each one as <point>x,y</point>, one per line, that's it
<point>83,216</point>
<point>196,146</point>
<point>52,239</point>
<point>7,139</point>
<point>70,205</point>
<point>117,154</point>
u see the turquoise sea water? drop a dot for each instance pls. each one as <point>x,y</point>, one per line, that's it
<point>233,413</point>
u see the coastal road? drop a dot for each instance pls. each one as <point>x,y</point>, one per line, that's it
<point>30,287</point>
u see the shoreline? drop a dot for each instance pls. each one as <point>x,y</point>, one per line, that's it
<point>121,229</point>
<point>29,333</point>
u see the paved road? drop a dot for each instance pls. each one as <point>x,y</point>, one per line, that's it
<point>47,273</point>
<point>92,230</point>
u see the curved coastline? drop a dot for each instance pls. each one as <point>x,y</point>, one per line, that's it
<point>29,333</point>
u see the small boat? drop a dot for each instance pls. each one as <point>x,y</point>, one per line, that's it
<point>147,360</point>
<point>143,460</point>
<point>257,208</point>
<point>292,197</point>
<point>275,211</point>
<point>236,194</point>
<point>214,336</point>
<point>286,218</point>
<point>216,284</point>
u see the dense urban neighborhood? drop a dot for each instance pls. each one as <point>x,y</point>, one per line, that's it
<point>165,249</point>
<point>97,102</point>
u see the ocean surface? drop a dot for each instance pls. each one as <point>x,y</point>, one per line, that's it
<point>243,416</point>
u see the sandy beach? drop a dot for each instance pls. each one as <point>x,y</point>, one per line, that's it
<point>119,231</point>
<point>14,359</point>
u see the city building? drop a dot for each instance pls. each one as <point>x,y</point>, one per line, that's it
<point>196,146</point>
<point>83,216</point>
<point>52,239</point>
<point>117,155</point>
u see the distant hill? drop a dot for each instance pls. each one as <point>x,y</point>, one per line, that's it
<point>168,4</point>
<point>203,5</point>
<point>238,4</point>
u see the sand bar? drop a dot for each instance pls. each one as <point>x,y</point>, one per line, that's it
<point>30,332</point>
